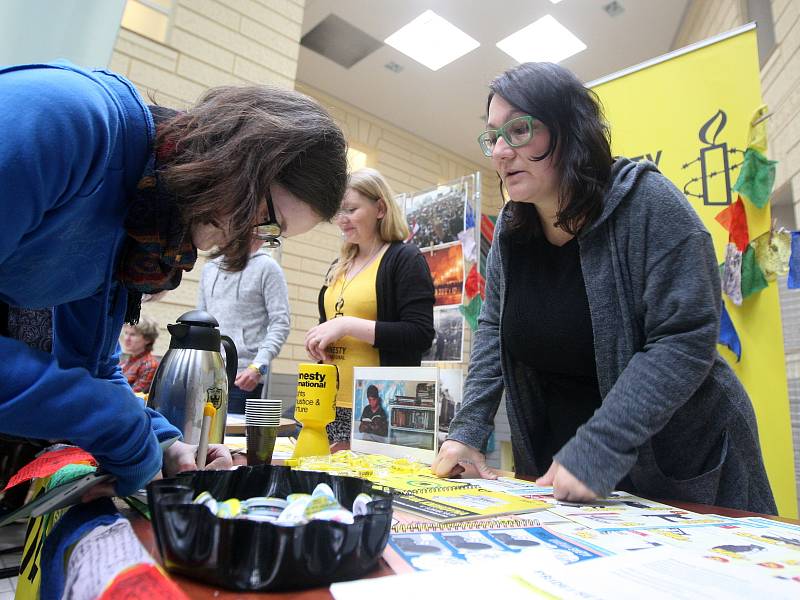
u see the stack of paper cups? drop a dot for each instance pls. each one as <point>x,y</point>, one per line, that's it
<point>265,412</point>
<point>261,417</point>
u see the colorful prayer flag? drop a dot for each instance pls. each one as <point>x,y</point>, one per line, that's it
<point>727,334</point>
<point>756,177</point>
<point>471,312</point>
<point>732,274</point>
<point>753,279</point>
<point>475,284</point>
<point>793,281</point>
<point>773,250</point>
<point>734,220</point>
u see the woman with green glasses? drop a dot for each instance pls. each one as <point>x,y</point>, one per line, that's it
<point>601,318</point>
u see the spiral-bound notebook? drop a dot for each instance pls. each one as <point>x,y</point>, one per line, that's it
<point>409,483</point>
<point>446,505</point>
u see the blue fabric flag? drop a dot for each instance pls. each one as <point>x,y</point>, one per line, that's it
<point>469,216</point>
<point>793,282</point>
<point>727,334</point>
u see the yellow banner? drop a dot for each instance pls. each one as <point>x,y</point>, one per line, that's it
<point>689,112</point>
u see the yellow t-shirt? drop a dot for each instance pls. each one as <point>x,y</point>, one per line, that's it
<point>358,300</point>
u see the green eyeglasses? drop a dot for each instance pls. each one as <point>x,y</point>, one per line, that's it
<point>270,230</point>
<point>516,132</point>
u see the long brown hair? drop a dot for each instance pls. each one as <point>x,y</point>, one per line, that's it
<point>391,228</point>
<point>226,151</point>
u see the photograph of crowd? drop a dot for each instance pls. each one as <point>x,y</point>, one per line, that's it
<point>436,216</point>
<point>447,270</point>
<point>448,342</point>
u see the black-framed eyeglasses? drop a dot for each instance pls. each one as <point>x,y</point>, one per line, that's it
<point>516,132</point>
<point>270,230</point>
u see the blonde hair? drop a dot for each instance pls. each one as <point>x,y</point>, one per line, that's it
<point>392,227</point>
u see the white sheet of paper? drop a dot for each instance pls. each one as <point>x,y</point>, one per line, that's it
<point>656,574</point>
<point>99,557</point>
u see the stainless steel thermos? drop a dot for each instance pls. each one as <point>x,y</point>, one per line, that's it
<point>193,373</point>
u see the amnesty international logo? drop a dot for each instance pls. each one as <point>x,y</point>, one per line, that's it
<point>713,183</point>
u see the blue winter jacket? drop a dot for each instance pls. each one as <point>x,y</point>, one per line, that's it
<point>73,146</point>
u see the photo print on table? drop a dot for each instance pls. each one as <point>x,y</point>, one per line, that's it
<point>395,411</point>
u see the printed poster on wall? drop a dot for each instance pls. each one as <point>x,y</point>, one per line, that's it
<point>447,270</point>
<point>448,343</point>
<point>436,216</point>
<point>451,390</point>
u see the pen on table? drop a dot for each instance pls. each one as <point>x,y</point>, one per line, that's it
<point>205,430</point>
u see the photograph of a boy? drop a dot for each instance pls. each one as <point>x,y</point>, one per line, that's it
<point>374,422</point>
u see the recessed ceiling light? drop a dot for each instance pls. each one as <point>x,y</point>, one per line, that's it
<point>543,40</point>
<point>431,40</point>
<point>555,1</point>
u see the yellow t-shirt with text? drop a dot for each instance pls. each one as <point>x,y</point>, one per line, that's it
<point>358,299</point>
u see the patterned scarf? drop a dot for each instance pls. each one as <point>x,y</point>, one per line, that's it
<point>158,247</point>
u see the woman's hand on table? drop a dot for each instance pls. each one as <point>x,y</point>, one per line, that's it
<point>565,485</point>
<point>455,458</point>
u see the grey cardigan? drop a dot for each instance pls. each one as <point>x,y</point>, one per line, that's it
<point>674,418</point>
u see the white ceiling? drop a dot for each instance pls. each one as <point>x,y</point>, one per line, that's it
<point>445,106</point>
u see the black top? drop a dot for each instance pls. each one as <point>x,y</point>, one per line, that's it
<point>547,326</point>
<point>404,292</point>
<point>375,422</point>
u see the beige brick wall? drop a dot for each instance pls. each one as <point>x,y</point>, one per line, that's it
<point>216,42</point>
<point>705,18</point>
<point>209,43</point>
<point>408,162</point>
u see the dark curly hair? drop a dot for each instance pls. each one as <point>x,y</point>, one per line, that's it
<point>579,142</point>
<point>235,142</point>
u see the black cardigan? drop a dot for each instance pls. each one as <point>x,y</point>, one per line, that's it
<point>404,292</point>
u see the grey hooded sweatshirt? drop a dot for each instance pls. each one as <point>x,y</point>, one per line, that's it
<point>674,417</point>
<point>252,306</point>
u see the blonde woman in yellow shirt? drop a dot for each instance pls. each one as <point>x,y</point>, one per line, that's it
<point>376,307</point>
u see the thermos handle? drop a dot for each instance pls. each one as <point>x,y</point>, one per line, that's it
<point>231,359</point>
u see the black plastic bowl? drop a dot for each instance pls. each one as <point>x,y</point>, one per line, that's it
<point>252,555</point>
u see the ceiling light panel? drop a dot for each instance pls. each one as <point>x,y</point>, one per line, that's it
<point>340,41</point>
<point>545,40</point>
<point>432,41</point>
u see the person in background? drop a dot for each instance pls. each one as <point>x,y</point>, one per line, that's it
<point>376,306</point>
<point>374,423</point>
<point>601,318</point>
<point>104,199</point>
<point>252,308</point>
<point>139,366</point>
